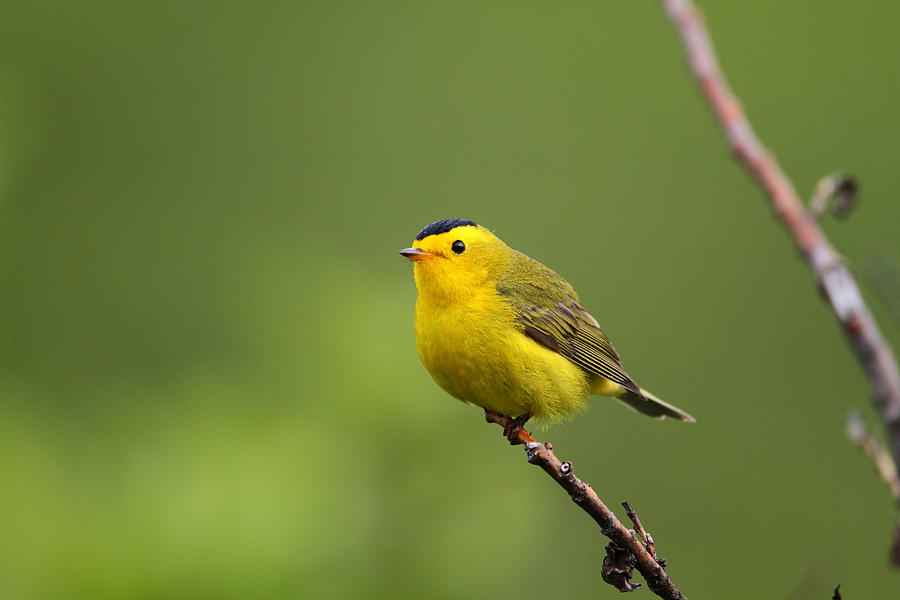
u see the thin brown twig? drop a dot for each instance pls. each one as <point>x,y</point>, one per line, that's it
<point>625,549</point>
<point>884,464</point>
<point>639,528</point>
<point>872,351</point>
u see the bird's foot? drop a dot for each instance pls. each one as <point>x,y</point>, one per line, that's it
<point>512,428</point>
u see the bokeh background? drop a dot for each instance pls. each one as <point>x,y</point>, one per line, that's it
<point>208,384</point>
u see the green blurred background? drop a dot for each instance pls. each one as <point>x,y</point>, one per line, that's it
<point>208,384</point>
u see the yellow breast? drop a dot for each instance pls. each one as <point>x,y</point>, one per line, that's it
<point>476,352</point>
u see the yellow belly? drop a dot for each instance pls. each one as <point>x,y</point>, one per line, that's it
<point>476,353</point>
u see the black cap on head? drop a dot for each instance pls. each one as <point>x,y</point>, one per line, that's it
<point>443,227</point>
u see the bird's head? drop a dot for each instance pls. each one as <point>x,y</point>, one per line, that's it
<point>455,258</point>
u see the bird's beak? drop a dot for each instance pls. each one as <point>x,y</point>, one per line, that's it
<point>415,254</point>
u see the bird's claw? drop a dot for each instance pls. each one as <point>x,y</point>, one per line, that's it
<point>512,428</point>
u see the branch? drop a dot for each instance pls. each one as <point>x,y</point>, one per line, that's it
<point>884,464</point>
<point>649,545</point>
<point>625,550</point>
<point>835,280</point>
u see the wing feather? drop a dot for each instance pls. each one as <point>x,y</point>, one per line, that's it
<point>550,314</point>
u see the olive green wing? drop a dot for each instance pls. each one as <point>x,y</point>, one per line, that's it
<point>548,309</point>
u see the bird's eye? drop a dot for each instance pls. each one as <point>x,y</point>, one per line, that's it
<point>458,247</point>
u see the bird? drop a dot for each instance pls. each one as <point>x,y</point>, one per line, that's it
<point>500,330</point>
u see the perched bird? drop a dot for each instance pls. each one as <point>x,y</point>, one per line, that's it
<point>500,330</point>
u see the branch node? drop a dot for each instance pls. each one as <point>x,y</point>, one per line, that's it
<point>837,193</point>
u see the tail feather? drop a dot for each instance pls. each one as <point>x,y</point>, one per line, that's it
<point>648,404</point>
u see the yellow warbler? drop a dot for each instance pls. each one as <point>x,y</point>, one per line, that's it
<point>500,330</point>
